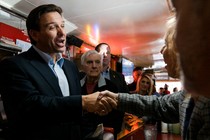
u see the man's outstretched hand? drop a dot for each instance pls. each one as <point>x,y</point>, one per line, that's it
<point>100,103</point>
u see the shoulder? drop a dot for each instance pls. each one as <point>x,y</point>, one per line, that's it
<point>111,86</point>
<point>132,84</point>
<point>69,63</point>
<point>70,66</point>
<point>13,61</point>
<point>81,74</point>
<point>203,102</point>
<point>108,82</point>
<point>112,72</point>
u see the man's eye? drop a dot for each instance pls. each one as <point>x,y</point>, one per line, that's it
<point>89,62</point>
<point>51,27</point>
<point>98,62</point>
<point>63,25</point>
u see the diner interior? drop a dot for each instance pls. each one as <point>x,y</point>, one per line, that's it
<point>134,29</point>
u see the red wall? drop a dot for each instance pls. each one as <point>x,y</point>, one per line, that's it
<point>13,33</point>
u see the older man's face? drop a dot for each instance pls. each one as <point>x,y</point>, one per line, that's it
<point>93,65</point>
<point>193,44</point>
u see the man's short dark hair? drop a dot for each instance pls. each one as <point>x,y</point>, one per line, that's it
<point>137,68</point>
<point>97,48</point>
<point>33,19</point>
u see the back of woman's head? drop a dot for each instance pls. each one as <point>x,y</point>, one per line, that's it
<point>173,66</point>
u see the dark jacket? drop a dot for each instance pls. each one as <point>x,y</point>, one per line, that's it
<point>119,80</point>
<point>33,101</point>
<point>132,86</point>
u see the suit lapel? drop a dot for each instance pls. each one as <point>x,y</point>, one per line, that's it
<point>70,75</point>
<point>40,65</point>
<point>112,75</point>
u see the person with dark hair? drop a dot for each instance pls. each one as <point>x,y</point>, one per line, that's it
<point>117,78</point>
<point>41,91</point>
<point>166,91</point>
<point>137,71</point>
<point>161,89</point>
<point>175,89</point>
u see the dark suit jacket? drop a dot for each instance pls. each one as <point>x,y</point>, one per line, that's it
<point>33,101</point>
<point>119,80</point>
<point>132,86</point>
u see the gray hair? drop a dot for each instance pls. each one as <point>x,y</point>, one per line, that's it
<point>86,54</point>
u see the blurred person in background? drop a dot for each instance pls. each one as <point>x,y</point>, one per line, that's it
<point>161,89</point>
<point>145,86</point>
<point>117,78</point>
<point>175,89</point>
<point>137,71</point>
<point>166,91</point>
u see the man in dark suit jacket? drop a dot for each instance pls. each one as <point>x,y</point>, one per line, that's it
<point>40,89</point>
<point>137,71</point>
<point>117,78</point>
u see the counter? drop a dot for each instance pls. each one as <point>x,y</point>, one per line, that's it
<point>138,134</point>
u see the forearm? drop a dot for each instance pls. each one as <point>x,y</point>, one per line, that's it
<point>165,108</point>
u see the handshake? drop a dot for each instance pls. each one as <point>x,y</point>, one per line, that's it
<point>100,103</point>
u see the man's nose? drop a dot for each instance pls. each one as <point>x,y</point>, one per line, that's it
<point>104,54</point>
<point>94,64</point>
<point>61,31</point>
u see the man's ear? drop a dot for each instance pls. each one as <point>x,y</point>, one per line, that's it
<point>34,34</point>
